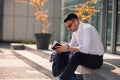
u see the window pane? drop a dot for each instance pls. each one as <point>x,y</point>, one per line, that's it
<point>109,25</point>
<point>67,6</point>
<point>96,19</point>
<point>118,28</point>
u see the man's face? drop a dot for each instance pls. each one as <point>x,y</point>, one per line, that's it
<point>72,25</point>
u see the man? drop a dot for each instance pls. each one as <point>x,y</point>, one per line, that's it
<point>85,46</point>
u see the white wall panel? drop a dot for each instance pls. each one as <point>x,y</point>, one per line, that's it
<point>57,9</point>
<point>20,9</point>
<point>30,28</point>
<point>50,7</point>
<point>31,11</point>
<point>37,27</point>
<point>9,7</point>
<point>8,28</point>
<point>57,29</point>
<point>22,24</point>
<point>20,28</point>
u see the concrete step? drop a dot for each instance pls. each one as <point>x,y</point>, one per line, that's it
<point>43,53</point>
<point>38,59</point>
<point>106,72</point>
<point>80,70</point>
<point>41,64</point>
<point>86,74</point>
<point>43,56</point>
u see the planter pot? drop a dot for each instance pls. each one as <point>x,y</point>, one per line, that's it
<point>42,40</point>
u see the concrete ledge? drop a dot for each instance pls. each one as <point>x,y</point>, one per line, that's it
<point>110,70</point>
<point>39,63</point>
<point>17,46</point>
<point>103,73</point>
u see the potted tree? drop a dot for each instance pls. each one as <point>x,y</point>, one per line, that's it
<point>43,38</point>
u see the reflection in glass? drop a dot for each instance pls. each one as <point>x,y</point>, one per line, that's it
<point>66,35</point>
<point>96,20</point>
<point>118,28</point>
<point>67,4</point>
<point>109,25</point>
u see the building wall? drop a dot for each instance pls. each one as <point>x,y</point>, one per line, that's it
<point>19,22</point>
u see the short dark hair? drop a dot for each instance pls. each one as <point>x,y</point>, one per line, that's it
<point>70,16</point>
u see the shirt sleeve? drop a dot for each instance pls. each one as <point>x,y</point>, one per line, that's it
<point>87,40</point>
<point>73,41</point>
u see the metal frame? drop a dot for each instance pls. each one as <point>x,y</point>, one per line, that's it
<point>114,20</point>
<point>1,18</point>
<point>103,23</point>
<point>117,52</point>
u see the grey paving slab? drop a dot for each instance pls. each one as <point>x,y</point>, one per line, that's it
<point>37,59</point>
<point>13,68</point>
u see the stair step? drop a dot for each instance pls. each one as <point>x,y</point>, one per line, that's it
<point>104,73</point>
<point>44,53</point>
<point>37,59</point>
<point>47,53</point>
<point>41,64</point>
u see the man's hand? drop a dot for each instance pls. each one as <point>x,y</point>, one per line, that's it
<point>60,49</point>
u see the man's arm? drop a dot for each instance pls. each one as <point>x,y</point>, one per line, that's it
<point>72,49</point>
<point>65,49</point>
<point>73,41</point>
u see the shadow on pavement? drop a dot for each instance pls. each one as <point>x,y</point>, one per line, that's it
<point>5,45</point>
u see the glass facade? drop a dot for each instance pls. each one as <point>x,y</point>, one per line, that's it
<point>118,28</point>
<point>96,20</point>
<point>106,21</point>
<point>109,25</point>
<point>69,6</point>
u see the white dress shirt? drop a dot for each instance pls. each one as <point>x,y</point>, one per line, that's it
<point>87,40</point>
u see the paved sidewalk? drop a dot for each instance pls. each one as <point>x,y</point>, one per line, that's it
<point>13,68</point>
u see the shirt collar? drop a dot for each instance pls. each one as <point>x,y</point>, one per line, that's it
<point>80,27</point>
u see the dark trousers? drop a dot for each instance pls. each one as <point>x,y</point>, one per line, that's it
<point>87,60</point>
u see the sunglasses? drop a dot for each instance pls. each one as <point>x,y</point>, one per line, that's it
<point>68,26</point>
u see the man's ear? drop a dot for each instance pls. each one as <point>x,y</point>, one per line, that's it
<point>76,22</point>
